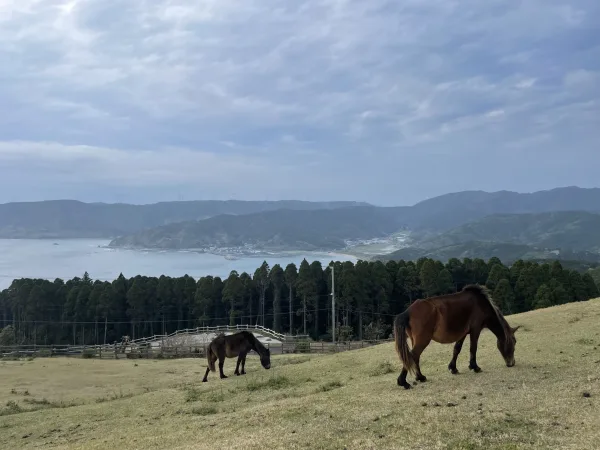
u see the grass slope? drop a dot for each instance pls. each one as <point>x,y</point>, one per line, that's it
<point>348,400</point>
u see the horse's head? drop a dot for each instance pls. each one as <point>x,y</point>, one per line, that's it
<point>507,347</point>
<point>265,359</point>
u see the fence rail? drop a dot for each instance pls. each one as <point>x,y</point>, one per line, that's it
<point>178,351</point>
<point>216,329</point>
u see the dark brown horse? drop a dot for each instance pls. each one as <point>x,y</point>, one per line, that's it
<point>447,319</point>
<point>238,344</point>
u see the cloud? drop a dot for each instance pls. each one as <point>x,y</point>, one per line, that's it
<point>324,91</point>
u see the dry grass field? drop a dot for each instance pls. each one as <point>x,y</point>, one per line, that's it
<point>550,399</point>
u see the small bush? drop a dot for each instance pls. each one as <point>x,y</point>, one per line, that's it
<point>215,397</point>
<point>302,346</point>
<point>204,410</point>
<point>383,368</point>
<point>43,353</point>
<point>11,407</point>
<point>33,401</point>
<point>88,353</point>
<point>192,395</point>
<point>297,360</point>
<point>330,386</point>
<point>278,382</point>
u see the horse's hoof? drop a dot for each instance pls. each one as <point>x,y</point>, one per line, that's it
<point>223,377</point>
<point>204,381</point>
<point>475,369</point>
<point>422,379</point>
<point>406,386</point>
<point>237,374</point>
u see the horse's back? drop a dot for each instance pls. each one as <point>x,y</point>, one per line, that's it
<point>448,318</point>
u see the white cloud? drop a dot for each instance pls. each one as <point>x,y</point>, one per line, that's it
<point>169,166</point>
<point>293,84</point>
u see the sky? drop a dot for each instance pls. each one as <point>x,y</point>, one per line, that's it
<point>388,102</point>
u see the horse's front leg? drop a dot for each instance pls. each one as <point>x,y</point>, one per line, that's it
<point>473,361</point>
<point>457,349</point>
<point>221,362</point>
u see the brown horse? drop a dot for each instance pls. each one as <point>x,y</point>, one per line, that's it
<point>447,319</point>
<point>238,344</point>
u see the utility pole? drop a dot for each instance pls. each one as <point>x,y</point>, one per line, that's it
<point>332,304</point>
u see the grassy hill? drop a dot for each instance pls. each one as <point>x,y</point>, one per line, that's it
<point>348,400</point>
<point>282,229</point>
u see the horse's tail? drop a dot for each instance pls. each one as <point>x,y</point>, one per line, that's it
<point>210,359</point>
<point>401,324</point>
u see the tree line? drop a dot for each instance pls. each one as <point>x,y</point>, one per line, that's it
<point>293,299</point>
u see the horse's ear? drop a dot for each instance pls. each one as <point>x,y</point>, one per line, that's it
<point>514,330</point>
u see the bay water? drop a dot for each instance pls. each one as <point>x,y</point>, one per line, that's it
<point>68,258</point>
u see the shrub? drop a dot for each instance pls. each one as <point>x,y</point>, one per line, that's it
<point>88,353</point>
<point>302,346</point>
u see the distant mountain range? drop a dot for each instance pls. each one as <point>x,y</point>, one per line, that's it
<point>558,223</point>
<point>74,219</point>
<point>283,229</point>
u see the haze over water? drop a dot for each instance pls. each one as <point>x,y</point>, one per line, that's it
<point>33,258</point>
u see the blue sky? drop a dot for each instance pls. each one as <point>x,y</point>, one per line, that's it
<point>383,101</point>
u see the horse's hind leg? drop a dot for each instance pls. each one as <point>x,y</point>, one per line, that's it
<point>419,347</point>
<point>237,366</point>
<point>244,364</point>
<point>473,361</point>
<point>457,349</point>
<point>402,379</point>
<point>205,379</point>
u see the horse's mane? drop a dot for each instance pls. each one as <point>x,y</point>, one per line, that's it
<point>260,348</point>
<point>484,292</point>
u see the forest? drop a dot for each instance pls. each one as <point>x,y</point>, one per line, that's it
<point>293,300</point>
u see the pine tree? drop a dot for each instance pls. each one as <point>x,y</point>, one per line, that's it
<point>543,297</point>
<point>429,278</point>
<point>445,282</point>
<point>261,280</point>
<point>233,293</point>
<point>291,274</point>
<point>504,297</point>
<point>306,288</point>
<point>590,286</point>
<point>497,273</point>
<point>277,277</point>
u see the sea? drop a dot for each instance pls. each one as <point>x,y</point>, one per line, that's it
<point>68,258</point>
